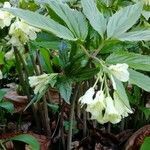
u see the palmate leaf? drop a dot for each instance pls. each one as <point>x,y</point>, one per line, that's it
<point>140,80</point>
<point>95,17</point>
<point>42,22</point>
<point>123,20</point>
<point>143,35</point>
<point>74,19</point>
<point>136,61</point>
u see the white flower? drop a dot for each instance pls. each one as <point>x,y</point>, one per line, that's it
<point>87,98</point>
<point>122,109</point>
<point>1,75</point>
<point>97,105</point>
<point>6,5</point>
<point>21,33</point>
<point>5,17</point>
<point>39,83</point>
<point>9,55</point>
<point>111,114</point>
<point>120,71</point>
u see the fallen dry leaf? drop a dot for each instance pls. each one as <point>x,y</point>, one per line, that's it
<point>137,138</point>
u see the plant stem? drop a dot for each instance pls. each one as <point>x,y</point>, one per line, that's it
<point>25,84</point>
<point>101,62</point>
<point>46,116</point>
<point>74,97</point>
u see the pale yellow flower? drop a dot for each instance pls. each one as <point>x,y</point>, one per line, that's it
<point>111,114</point>
<point>97,104</point>
<point>120,71</point>
<point>87,98</point>
<point>21,33</point>
<point>40,82</point>
<point>122,109</point>
<point>5,17</point>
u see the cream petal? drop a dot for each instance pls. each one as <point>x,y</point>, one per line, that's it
<point>122,109</point>
<point>111,114</point>
<point>120,71</point>
<point>87,98</point>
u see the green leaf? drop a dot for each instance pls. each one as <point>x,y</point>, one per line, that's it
<point>135,36</point>
<point>1,58</point>
<point>42,22</point>
<point>146,112</point>
<point>47,44</point>
<point>123,20</point>
<point>28,139</point>
<point>65,89</point>
<point>2,93</point>
<point>85,74</point>
<point>54,107</point>
<point>146,144</point>
<point>8,106</point>
<point>136,61</point>
<point>74,19</point>
<point>121,92</point>
<point>95,17</point>
<point>140,80</point>
<point>45,60</point>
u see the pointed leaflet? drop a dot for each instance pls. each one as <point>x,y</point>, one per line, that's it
<point>136,61</point>
<point>121,92</point>
<point>123,20</point>
<point>135,36</point>
<point>42,22</point>
<point>140,80</point>
<point>96,19</point>
<point>74,19</point>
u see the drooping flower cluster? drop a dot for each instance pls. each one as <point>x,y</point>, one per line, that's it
<point>101,105</point>
<point>5,17</point>
<point>40,83</point>
<point>21,33</point>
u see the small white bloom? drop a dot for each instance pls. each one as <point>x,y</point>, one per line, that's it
<point>38,82</point>
<point>111,114</point>
<point>21,33</point>
<point>6,5</point>
<point>9,55</point>
<point>97,105</point>
<point>1,75</point>
<point>120,71</point>
<point>122,109</point>
<point>87,98</point>
<point>5,17</point>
